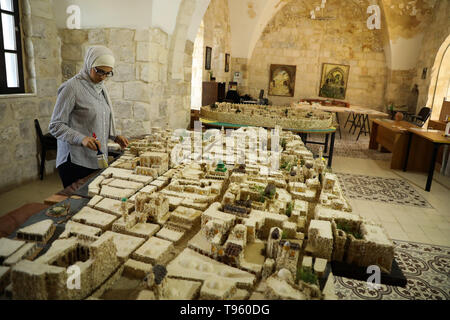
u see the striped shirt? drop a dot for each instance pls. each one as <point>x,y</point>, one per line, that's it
<point>81,109</point>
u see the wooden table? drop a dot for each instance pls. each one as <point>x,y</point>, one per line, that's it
<point>358,116</point>
<point>328,144</point>
<point>393,137</point>
<point>436,138</point>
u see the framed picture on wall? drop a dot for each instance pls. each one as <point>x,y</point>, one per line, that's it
<point>333,83</point>
<point>227,62</point>
<point>208,58</point>
<point>282,80</point>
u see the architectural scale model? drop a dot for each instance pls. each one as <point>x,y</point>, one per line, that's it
<point>267,116</point>
<point>248,223</point>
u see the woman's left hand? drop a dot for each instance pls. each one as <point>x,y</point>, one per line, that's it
<point>122,141</point>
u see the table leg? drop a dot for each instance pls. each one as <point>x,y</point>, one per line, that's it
<point>405,165</point>
<point>348,118</point>
<point>353,121</point>
<point>358,124</point>
<point>363,126</point>
<point>325,150</point>
<point>330,156</point>
<point>432,166</point>
<point>368,123</point>
<point>373,137</point>
<point>339,125</point>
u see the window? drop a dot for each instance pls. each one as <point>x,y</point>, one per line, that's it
<point>11,65</point>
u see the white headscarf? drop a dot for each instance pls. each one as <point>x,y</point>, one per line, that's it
<point>92,54</point>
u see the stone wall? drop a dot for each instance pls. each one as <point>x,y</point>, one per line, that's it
<point>18,149</point>
<point>141,90</point>
<point>435,36</point>
<point>240,65</point>
<point>292,38</point>
<point>217,35</point>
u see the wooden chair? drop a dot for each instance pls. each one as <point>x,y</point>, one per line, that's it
<point>48,142</point>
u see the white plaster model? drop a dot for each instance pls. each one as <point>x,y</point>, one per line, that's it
<point>40,232</point>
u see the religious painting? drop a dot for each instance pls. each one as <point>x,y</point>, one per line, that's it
<point>282,80</point>
<point>227,62</point>
<point>333,83</point>
<point>208,58</point>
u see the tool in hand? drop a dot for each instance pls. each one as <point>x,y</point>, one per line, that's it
<point>101,157</point>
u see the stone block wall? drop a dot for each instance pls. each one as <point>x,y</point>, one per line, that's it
<point>292,38</point>
<point>240,65</point>
<point>399,87</point>
<point>19,147</point>
<point>142,91</point>
<point>217,35</point>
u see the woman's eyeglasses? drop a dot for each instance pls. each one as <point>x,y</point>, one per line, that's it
<point>103,73</point>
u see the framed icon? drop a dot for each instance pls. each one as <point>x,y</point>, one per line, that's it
<point>227,62</point>
<point>208,58</point>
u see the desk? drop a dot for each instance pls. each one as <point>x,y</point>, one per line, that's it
<point>437,138</point>
<point>392,136</point>
<point>329,143</point>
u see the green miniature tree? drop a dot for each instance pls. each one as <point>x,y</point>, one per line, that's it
<point>289,209</point>
<point>306,275</point>
<point>347,229</point>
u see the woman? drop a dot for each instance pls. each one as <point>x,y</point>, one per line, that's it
<point>82,111</point>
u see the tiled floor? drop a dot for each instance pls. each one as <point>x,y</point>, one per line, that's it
<point>431,225</point>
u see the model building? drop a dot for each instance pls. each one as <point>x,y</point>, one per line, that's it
<point>219,227</point>
<point>267,116</point>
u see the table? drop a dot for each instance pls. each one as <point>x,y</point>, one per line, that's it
<point>328,144</point>
<point>437,138</point>
<point>391,136</point>
<point>360,116</point>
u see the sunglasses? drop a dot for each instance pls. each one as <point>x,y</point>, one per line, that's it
<point>103,73</point>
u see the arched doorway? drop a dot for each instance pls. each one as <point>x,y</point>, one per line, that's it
<point>197,69</point>
<point>440,80</point>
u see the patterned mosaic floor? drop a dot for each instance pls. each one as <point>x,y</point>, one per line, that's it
<point>387,190</point>
<point>426,267</point>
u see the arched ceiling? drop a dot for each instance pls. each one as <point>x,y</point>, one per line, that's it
<point>404,22</point>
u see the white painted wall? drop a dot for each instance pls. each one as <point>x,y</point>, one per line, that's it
<point>405,52</point>
<point>108,13</point>
<point>197,17</point>
<point>164,14</point>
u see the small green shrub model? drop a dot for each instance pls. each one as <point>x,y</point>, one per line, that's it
<point>347,229</point>
<point>306,275</point>
<point>283,144</point>
<point>284,235</point>
<point>289,209</point>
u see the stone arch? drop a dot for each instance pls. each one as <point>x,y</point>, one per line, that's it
<point>292,29</point>
<point>436,75</point>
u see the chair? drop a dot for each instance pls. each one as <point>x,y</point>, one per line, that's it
<point>421,117</point>
<point>48,142</point>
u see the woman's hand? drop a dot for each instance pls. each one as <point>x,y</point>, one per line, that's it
<point>91,143</point>
<point>122,141</point>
